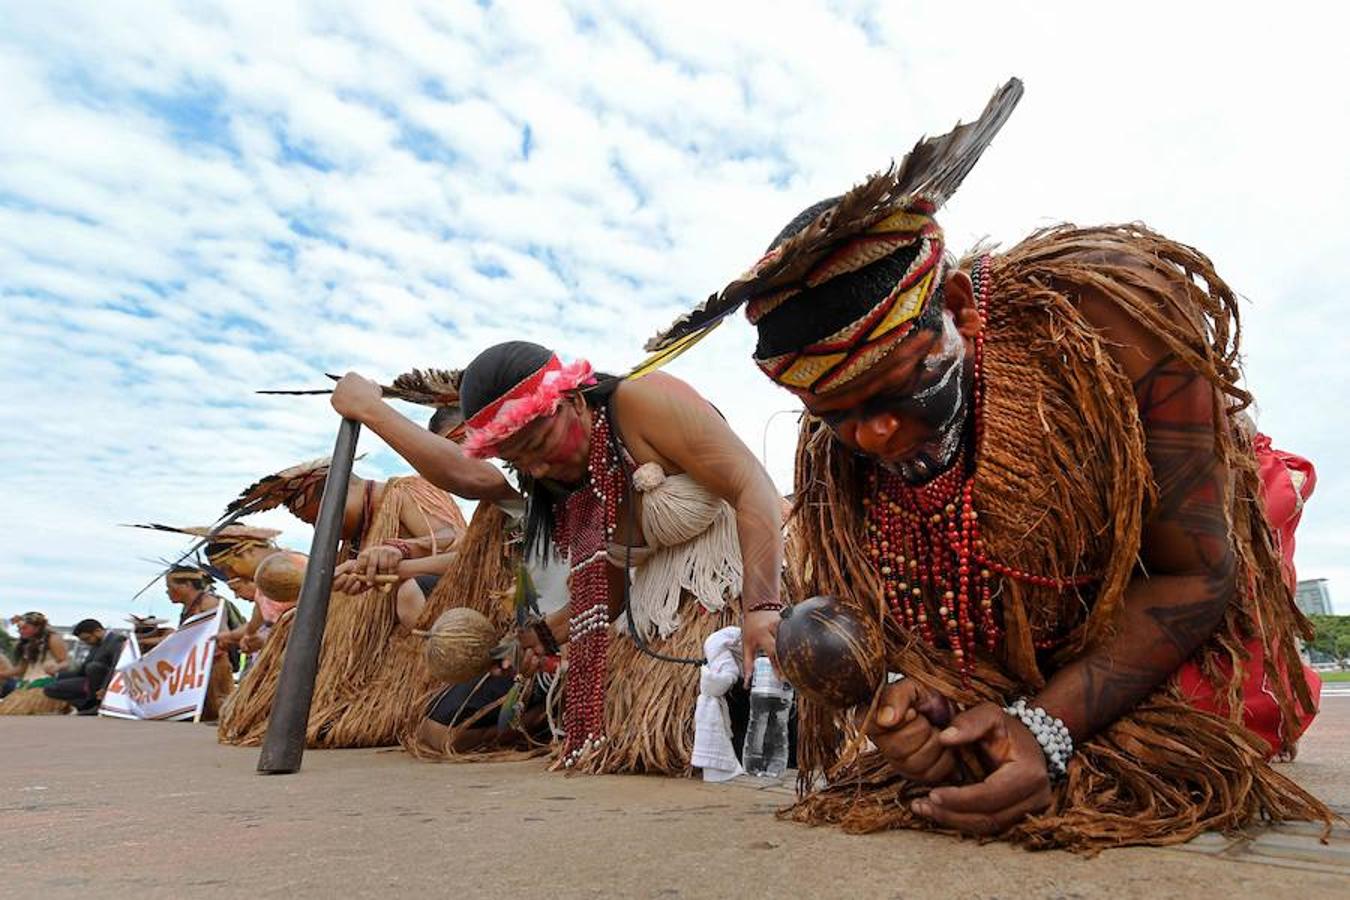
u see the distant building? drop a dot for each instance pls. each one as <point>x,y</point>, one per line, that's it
<point>1313,597</point>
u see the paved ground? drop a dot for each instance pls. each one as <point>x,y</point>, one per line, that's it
<point>118,809</point>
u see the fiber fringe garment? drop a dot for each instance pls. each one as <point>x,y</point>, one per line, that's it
<point>1063,488</point>
<point>692,548</point>
<point>362,650</point>
<point>32,702</point>
<point>684,589</point>
<point>481,578</point>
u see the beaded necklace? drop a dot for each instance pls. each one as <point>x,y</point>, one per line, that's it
<point>926,544</point>
<point>584,528</point>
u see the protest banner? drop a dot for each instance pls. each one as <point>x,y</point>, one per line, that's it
<point>169,682</point>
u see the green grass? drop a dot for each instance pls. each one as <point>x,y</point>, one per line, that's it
<point>1335,676</point>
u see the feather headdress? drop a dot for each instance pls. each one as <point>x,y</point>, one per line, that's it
<point>230,534</point>
<point>425,387</point>
<point>225,545</point>
<point>236,537</point>
<point>890,210</point>
<point>281,488</point>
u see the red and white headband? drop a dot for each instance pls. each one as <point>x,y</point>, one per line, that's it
<point>536,396</point>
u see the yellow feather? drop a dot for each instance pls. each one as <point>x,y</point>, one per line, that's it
<point>658,359</point>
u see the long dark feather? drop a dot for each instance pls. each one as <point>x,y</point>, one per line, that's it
<point>933,170</point>
<point>425,387</point>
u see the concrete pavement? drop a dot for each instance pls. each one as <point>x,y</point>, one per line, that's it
<point>122,809</point>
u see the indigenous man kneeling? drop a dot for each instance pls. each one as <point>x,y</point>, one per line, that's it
<point>362,652</point>
<point>579,442</point>
<point>190,587</point>
<point>449,721</point>
<point>1024,466</point>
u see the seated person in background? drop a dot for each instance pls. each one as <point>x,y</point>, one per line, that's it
<point>38,656</point>
<point>83,686</point>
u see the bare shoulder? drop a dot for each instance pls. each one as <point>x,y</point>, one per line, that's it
<point>657,415</point>
<point>1134,345</point>
<point>655,391</point>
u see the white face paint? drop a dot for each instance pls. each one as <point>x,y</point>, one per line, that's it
<point>940,401</point>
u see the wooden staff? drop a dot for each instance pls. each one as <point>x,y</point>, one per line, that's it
<point>284,745</point>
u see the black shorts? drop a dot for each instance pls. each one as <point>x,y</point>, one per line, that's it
<point>461,702</point>
<point>427,583</point>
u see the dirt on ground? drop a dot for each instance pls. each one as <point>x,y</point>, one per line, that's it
<point>99,807</point>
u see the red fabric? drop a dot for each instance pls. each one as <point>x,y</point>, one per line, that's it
<point>1283,499</point>
<point>1260,712</point>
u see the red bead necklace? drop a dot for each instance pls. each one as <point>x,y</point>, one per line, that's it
<point>926,545</point>
<point>584,528</point>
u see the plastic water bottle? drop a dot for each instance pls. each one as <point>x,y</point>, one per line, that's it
<point>766,737</point>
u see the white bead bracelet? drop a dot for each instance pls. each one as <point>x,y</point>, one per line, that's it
<point>1050,732</point>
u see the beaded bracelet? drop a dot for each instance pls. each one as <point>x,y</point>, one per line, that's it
<point>1050,732</point>
<point>767,606</point>
<point>403,547</point>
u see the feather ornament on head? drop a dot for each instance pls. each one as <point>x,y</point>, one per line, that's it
<point>889,215</point>
<point>437,388</point>
<point>425,387</point>
<point>291,487</point>
<point>231,534</point>
<point>225,547</point>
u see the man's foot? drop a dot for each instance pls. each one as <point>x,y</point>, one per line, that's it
<point>91,711</point>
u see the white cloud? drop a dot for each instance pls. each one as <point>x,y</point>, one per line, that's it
<point>200,202</point>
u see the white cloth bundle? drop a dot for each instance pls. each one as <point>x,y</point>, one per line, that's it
<point>713,750</point>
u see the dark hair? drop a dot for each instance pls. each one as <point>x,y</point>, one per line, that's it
<point>491,375</point>
<point>202,580</point>
<point>444,419</point>
<point>498,369</point>
<point>86,626</point>
<point>824,309</point>
<point>30,649</point>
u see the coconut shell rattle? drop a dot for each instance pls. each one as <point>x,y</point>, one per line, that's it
<point>281,574</point>
<point>837,658</point>
<point>829,653</point>
<point>462,645</point>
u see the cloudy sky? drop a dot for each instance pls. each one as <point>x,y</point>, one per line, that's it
<point>200,200</point>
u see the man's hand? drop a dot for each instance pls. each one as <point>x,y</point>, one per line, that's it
<point>227,639</point>
<point>759,635</point>
<point>532,650</point>
<point>251,643</point>
<point>905,730</point>
<point>1018,784</point>
<point>345,578</point>
<point>355,396</point>
<point>379,560</point>
<point>531,655</point>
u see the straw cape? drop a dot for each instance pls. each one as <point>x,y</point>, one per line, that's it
<point>481,579</point>
<point>1063,486</point>
<point>32,702</point>
<point>352,706</point>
